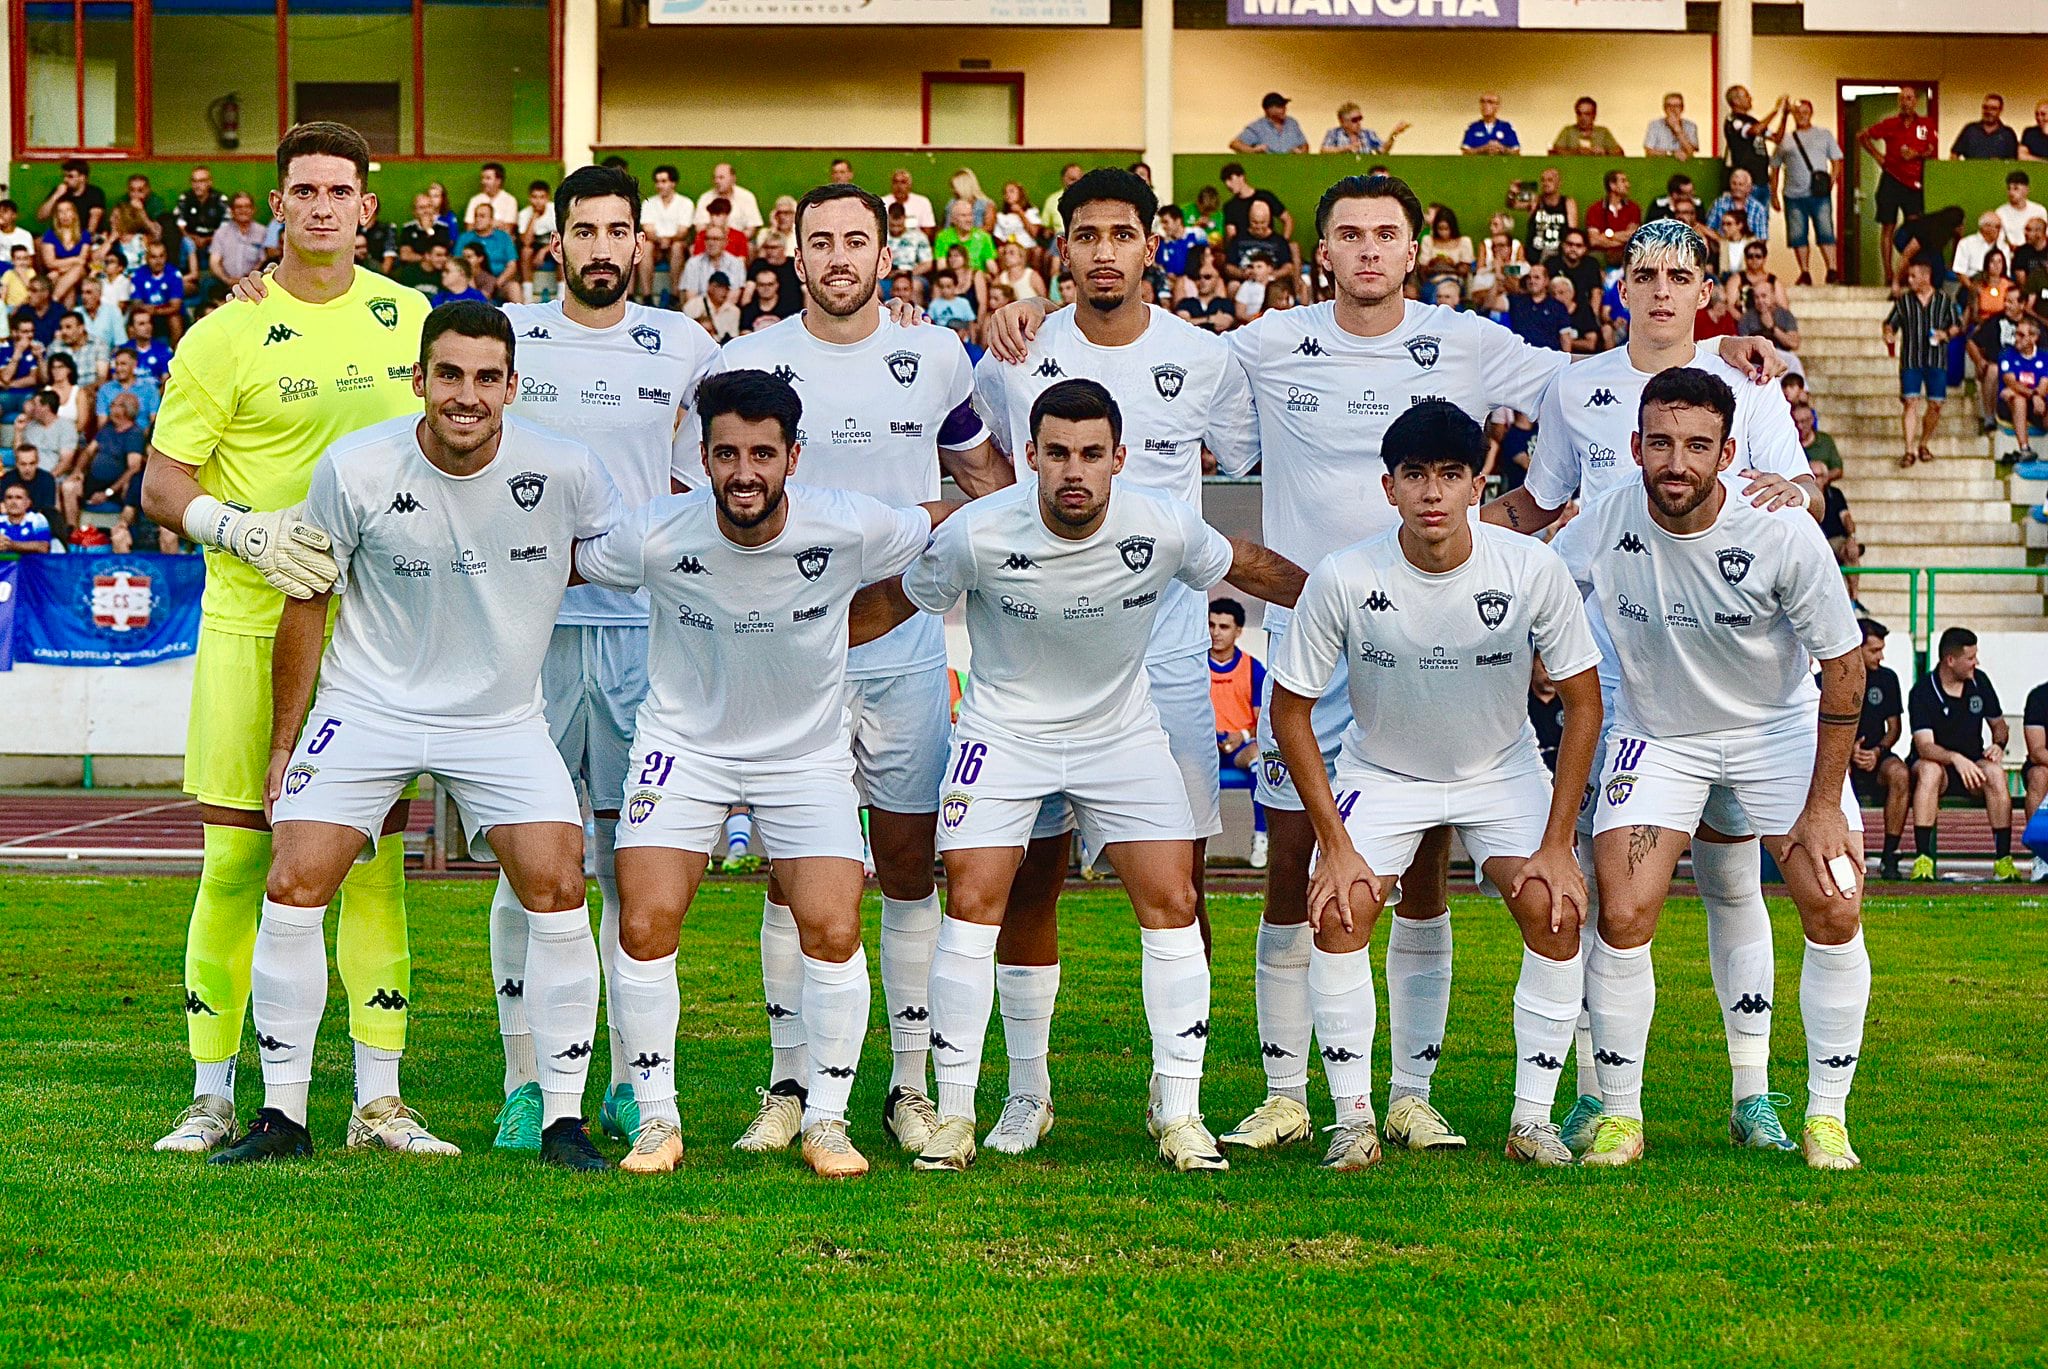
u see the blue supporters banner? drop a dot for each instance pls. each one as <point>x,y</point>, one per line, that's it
<point>8,589</point>
<point>107,610</point>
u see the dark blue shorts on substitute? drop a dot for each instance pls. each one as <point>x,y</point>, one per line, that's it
<point>1931,379</point>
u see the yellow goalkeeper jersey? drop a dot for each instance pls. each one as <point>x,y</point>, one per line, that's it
<point>258,391</point>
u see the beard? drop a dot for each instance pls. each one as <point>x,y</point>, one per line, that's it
<point>598,296</point>
<point>1680,508</point>
<point>768,508</point>
<point>816,291</point>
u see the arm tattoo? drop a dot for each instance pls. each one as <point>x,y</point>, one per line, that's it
<point>1840,719</point>
<point>1642,840</point>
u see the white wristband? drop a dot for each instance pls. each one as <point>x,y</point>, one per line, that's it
<point>1805,495</point>
<point>207,520</point>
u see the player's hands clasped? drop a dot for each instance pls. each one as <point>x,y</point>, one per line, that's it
<point>1344,884</point>
<point>1558,871</point>
<point>293,555</point>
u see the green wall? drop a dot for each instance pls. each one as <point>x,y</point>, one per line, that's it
<point>395,183</point>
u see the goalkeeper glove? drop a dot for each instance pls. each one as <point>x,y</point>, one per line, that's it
<point>292,554</point>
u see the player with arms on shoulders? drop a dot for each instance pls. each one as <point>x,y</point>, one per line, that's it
<point>1441,619</point>
<point>751,582</point>
<point>1179,391</point>
<point>256,393</point>
<point>1717,610</point>
<point>452,537</point>
<point>888,407</point>
<point>1062,579</point>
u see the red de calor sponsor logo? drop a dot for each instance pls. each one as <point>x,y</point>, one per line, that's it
<point>121,600</point>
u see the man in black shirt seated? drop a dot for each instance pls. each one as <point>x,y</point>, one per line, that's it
<point>1950,708</point>
<point>1878,776</point>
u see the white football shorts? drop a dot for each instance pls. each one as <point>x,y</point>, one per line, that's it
<point>1500,814</point>
<point>1659,782</point>
<point>591,684</point>
<point>1271,784</point>
<point>901,726</point>
<point>801,807</point>
<point>1180,691</point>
<point>1722,812</point>
<point>1126,788</point>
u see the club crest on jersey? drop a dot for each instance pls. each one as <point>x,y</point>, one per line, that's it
<point>385,311</point>
<point>648,338</point>
<point>640,807</point>
<point>1136,551</point>
<point>298,777</point>
<point>903,366</point>
<point>1276,769</point>
<point>1493,607</point>
<point>1734,562</point>
<point>527,488</point>
<point>811,561</point>
<point>1168,379</point>
<point>1425,350</point>
<point>953,809</point>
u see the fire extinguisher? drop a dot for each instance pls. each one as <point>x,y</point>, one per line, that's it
<point>225,114</point>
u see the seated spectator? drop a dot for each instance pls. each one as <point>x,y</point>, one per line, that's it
<point>444,211</point>
<point>1741,197</point>
<point>961,230</point>
<point>1613,221</point>
<point>1574,260</point>
<point>1838,525</point>
<point>152,353</point>
<point>1274,131</point>
<point>665,231</point>
<point>23,531</point>
<point>717,233</point>
<point>1237,681</point>
<point>1989,288</point>
<point>1718,319</point>
<point>1535,315</point>
<point>104,321</point>
<point>966,189</point>
<point>1985,346</point>
<point>1989,139</point>
<point>159,291</point>
<point>775,255</point>
<point>1489,134</point>
<point>501,253</point>
<point>1501,257</point>
<point>1584,137</point>
<point>1583,334</point>
<point>2034,139</point>
<point>1017,218</point>
<point>2030,258</point>
<point>1971,251</point>
<point>1177,244</point>
<point>1680,185</point>
<point>1249,299</point>
<point>74,397</point>
<point>238,244</point>
<point>491,193</point>
<point>12,234</point>
<point>1205,215</point>
<point>717,260</point>
<point>376,246</point>
<point>66,252</point>
<point>1015,274</point>
<point>127,379</point>
<point>112,461</point>
<point>1767,317</point>
<point>715,306</point>
<point>2023,384</point>
<point>2017,211</point>
<point>903,286</point>
<point>1258,242</point>
<point>41,486</point>
<point>42,310</point>
<point>1350,134</point>
<point>1446,254</point>
<point>21,368</point>
<point>457,283</point>
<point>1686,211</point>
<point>767,304</point>
<point>909,249</point>
<point>1879,778</point>
<point>781,226</point>
<point>481,276</point>
<point>1552,212</point>
<point>1804,155</point>
<point>948,305</point>
<point>973,284</point>
<point>1950,709</point>
<point>1818,445</point>
<point>199,213</point>
<point>1237,210</point>
<point>1737,244</point>
<point>1209,306</point>
<point>742,211</point>
<point>50,431</point>
<point>416,238</point>
<point>1674,135</point>
<point>21,273</point>
<point>536,228</point>
<point>1448,294</point>
<point>917,209</point>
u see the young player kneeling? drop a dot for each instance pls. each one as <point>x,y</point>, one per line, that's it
<point>1440,620</point>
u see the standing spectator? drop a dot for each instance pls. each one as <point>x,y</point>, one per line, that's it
<point>1804,172</point>
<point>486,231</point>
<point>12,234</point>
<point>1971,251</point>
<point>152,353</point>
<point>416,238</point>
<point>1674,135</point>
<point>1546,712</point>
<point>1745,139</point>
<point>490,179</point>
<point>1614,220</point>
<point>1989,139</point>
<point>715,306</point>
<point>2034,140</point>
<point>1535,315</point>
<point>1552,213</point>
<point>159,291</point>
<point>2034,773</point>
<point>127,379</point>
<point>2023,384</point>
<point>1237,210</point>
<point>1489,134</point>
<point>89,357</point>
<point>1679,186</point>
<point>1950,709</point>
<point>917,209</point>
<point>23,531</point>
<point>1049,213</point>
<point>665,230</point>
<point>2018,209</point>
<point>74,186</point>
<point>1917,332</point>
<point>1879,777</point>
<point>1583,137</point>
<point>238,244</point>
<point>1986,350</point>
<point>1741,198</point>
<point>1274,131</point>
<point>536,228</point>
<point>66,253</point>
<point>961,230</point>
<point>966,189</point>
<point>1351,135</point>
<point>909,249</point>
<point>1908,140</point>
<point>21,370</point>
<point>1575,262</point>
<point>743,210</point>
<point>840,172</point>
<point>199,214</point>
<point>1237,681</point>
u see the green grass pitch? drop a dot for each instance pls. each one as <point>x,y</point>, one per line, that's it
<point>1087,1252</point>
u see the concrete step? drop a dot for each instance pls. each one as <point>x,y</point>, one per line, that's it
<point>1876,442</point>
<point>1867,294</point>
<point>1885,598</point>
<point>1864,326</point>
<point>1938,549</point>
<point>1911,487</point>
<point>1839,308</point>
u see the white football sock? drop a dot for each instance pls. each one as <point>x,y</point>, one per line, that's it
<point>1621,993</point>
<point>214,1079</point>
<point>1547,1000</point>
<point>561,1006</point>
<point>837,998</point>
<point>1834,996</point>
<point>1280,991</point>
<point>910,934</point>
<point>1739,950</point>
<point>739,831</point>
<point>646,1004</point>
<point>1175,979</point>
<point>782,988</point>
<point>508,979</point>
<point>1346,1016</point>
<point>1418,999</point>
<point>963,991</point>
<point>605,848</point>
<point>376,1073</point>
<point>287,995</point>
<point>1582,1031</point>
<point>1025,995</point>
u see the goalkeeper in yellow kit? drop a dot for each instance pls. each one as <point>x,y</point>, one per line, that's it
<point>256,393</point>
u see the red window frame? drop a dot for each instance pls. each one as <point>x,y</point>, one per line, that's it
<point>145,132</point>
<point>1013,79</point>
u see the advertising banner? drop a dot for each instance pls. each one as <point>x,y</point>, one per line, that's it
<point>912,12</point>
<point>107,610</point>
<point>1529,14</point>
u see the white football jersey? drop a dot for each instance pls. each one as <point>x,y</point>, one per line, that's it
<point>627,391</point>
<point>1716,631</point>
<point>1179,389</point>
<point>747,659</point>
<point>1325,398</point>
<point>1588,415</point>
<point>875,415</point>
<point>1439,664</point>
<point>1059,627</point>
<point>449,584</point>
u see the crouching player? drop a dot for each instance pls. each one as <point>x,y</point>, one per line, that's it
<point>452,534</point>
<point>1440,619</point>
<point>751,579</point>
<point>1717,610</point>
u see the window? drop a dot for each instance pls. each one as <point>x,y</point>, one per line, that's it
<point>77,76</point>
<point>511,111</point>
<point>974,109</point>
<point>352,60</point>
